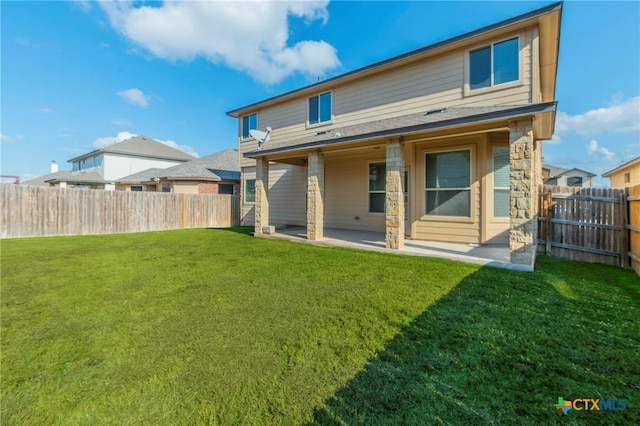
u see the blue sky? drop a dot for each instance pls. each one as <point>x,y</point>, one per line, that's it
<point>77,75</point>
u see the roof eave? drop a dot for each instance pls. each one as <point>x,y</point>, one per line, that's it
<point>518,112</point>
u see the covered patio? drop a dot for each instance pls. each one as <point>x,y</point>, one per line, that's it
<point>488,254</point>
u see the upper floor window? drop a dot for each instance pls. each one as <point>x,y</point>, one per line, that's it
<point>495,64</point>
<point>627,177</point>
<point>249,122</point>
<point>320,108</point>
<point>574,181</point>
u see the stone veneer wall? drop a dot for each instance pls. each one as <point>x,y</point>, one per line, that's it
<point>524,165</point>
<point>315,196</point>
<point>394,196</point>
<point>261,196</point>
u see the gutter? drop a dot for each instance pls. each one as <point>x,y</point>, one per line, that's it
<point>517,112</point>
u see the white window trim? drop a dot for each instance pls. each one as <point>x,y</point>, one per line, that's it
<point>472,188</point>
<point>495,218</point>
<point>249,138</point>
<point>369,192</point>
<point>467,91</point>
<point>323,123</point>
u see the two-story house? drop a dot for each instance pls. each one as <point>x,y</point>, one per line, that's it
<point>442,143</point>
<point>99,169</point>
<point>625,175</point>
<point>217,173</point>
<point>552,175</point>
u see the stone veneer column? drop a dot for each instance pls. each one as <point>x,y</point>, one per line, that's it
<point>315,196</point>
<point>523,238</point>
<point>261,196</point>
<point>394,195</point>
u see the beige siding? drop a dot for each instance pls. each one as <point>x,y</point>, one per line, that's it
<point>436,82</point>
<point>617,179</point>
<point>347,191</point>
<point>287,195</point>
<point>185,187</point>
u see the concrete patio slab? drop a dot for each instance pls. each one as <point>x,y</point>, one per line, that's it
<point>489,255</point>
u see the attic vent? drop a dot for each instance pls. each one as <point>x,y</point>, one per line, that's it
<point>435,111</point>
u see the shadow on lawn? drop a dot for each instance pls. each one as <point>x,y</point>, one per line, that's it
<point>499,348</point>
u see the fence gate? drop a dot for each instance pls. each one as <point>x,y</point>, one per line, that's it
<point>586,224</point>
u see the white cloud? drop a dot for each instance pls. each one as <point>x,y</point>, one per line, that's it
<point>46,110</point>
<point>10,138</point>
<point>621,117</point>
<point>110,140</point>
<point>184,148</point>
<point>594,148</point>
<point>248,36</point>
<point>123,136</point>
<point>135,97</point>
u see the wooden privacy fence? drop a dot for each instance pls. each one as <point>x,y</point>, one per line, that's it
<point>31,211</point>
<point>634,227</point>
<point>586,224</point>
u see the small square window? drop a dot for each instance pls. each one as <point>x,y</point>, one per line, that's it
<point>249,122</point>
<point>627,177</point>
<point>320,108</point>
<point>495,64</point>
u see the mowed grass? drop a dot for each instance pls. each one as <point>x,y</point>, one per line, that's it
<point>218,327</point>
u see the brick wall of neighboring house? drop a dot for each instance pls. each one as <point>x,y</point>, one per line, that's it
<point>208,188</point>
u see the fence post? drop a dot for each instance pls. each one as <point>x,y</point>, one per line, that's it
<point>624,222</point>
<point>547,222</point>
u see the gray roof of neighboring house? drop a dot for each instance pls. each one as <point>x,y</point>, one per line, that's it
<point>220,166</point>
<point>141,146</point>
<point>88,177</point>
<point>43,180</point>
<point>143,176</point>
<point>406,124</point>
<point>557,171</point>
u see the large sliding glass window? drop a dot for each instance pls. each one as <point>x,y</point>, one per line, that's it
<point>501,182</point>
<point>377,186</point>
<point>448,184</point>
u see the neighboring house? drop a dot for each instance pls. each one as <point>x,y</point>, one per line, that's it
<point>217,173</point>
<point>99,169</point>
<point>625,175</point>
<point>442,143</point>
<point>552,175</point>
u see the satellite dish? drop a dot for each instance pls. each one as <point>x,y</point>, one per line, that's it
<point>260,136</point>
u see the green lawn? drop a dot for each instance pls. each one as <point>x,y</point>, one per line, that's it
<point>215,326</point>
